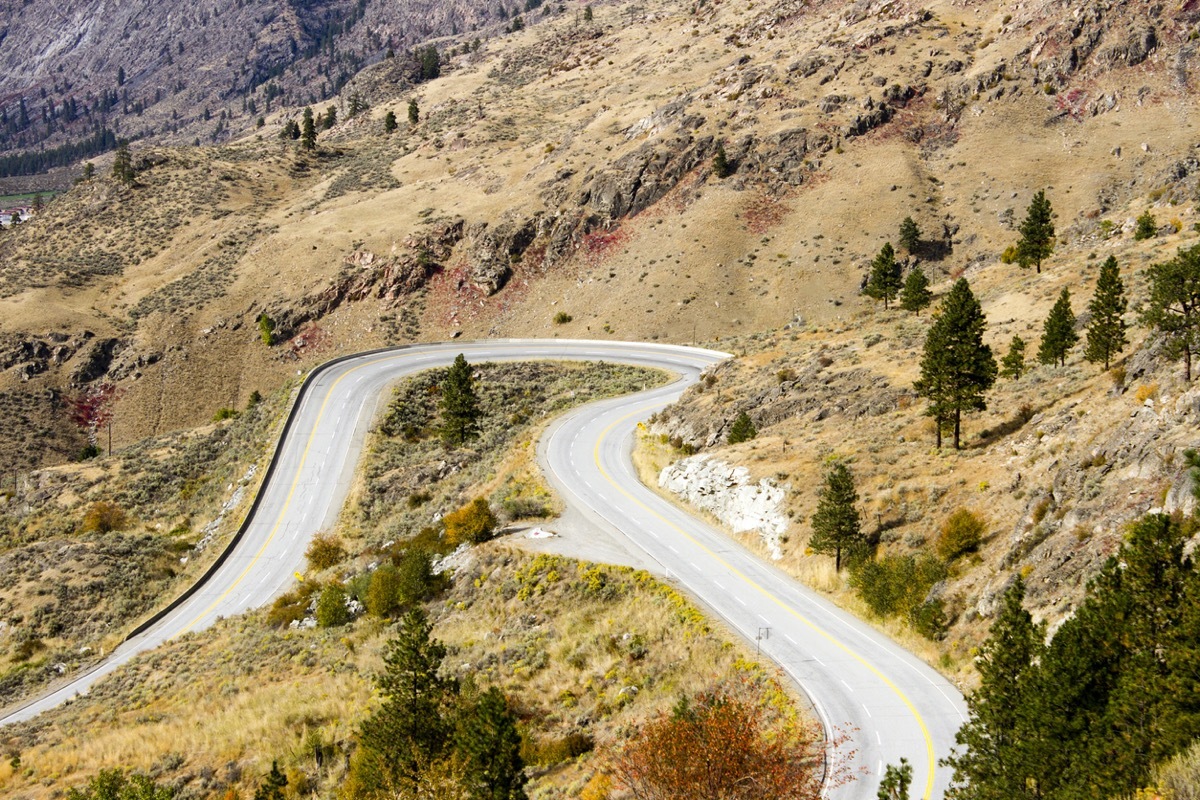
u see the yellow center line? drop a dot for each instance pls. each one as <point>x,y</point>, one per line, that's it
<point>287,502</point>
<point>765,593</point>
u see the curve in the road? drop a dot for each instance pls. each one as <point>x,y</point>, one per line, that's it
<point>856,677</point>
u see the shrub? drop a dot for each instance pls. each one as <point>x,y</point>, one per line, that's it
<point>554,750</point>
<point>290,607</point>
<point>961,533</point>
<point>89,452</point>
<point>472,523</point>
<point>525,508</point>
<point>896,585</point>
<point>324,551</point>
<point>562,318</point>
<point>331,607</point>
<point>1147,227</point>
<point>1145,392</point>
<point>224,414</point>
<point>383,593</point>
<point>105,516</point>
<point>742,430</point>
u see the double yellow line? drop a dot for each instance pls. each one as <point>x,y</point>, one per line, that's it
<point>929,750</point>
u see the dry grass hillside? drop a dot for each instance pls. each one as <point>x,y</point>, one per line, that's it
<point>567,168</point>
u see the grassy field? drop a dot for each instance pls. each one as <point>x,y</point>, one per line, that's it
<point>25,199</point>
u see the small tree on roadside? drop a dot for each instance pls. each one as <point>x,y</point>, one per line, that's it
<point>896,780</point>
<point>910,235</point>
<point>835,523</point>
<point>1037,233</point>
<point>884,280</point>
<point>114,784</point>
<point>1013,364</point>
<point>389,122</point>
<point>956,366</point>
<point>1058,333</point>
<point>742,430</point>
<point>1106,328</point>
<point>1173,308</point>
<point>459,404</point>
<point>916,294</point>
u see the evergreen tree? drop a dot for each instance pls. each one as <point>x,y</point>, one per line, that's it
<point>308,131</point>
<point>413,726</point>
<point>389,121</point>
<point>329,119</point>
<point>916,294</point>
<point>910,235</point>
<point>414,112</point>
<point>896,781</point>
<point>956,367</point>
<point>884,280</point>
<point>429,61</point>
<point>1106,329</point>
<point>459,405</point>
<point>488,740</point>
<point>742,430</point>
<point>721,167</point>
<point>122,168</point>
<point>835,523</point>
<point>1147,227</point>
<point>588,16</point>
<point>1013,363</point>
<point>1174,305</point>
<point>1037,233</point>
<point>1058,333</point>
<point>990,762</point>
<point>272,786</point>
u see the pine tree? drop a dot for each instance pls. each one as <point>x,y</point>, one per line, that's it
<point>308,131</point>
<point>122,168</point>
<point>742,430</point>
<point>1013,363</point>
<point>1174,305</point>
<point>1037,233</point>
<point>916,294</point>
<point>272,786</point>
<point>956,367</point>
<point>389,121</point>
<point>490,744</point>
<point>1058,333</point>
<point>910,235</point>
<point>459,405</point>
<point>1147,227</point>
<point>884,280</point>
<point>414,112</point>
<point>835,523</point>
<point>329,119</point>
<point>896,780</point>
<point>721,167</point>
<point>990,762</point>
<point>413,726</point>
<point>1106,329</point>
<point>588,16</point>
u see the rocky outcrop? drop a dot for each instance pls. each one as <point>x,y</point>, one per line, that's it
<point>639,179</point>
<point>366,274</point>
<point>728,494</point>
<point>494,249</point>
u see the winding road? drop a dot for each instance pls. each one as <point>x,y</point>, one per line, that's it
<point>891,704</point>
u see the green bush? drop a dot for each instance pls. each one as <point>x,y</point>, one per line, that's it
<point>525,508</point>
<point>742,430</point>
<point>331,607</point>
<point>896,585</point>
<point>961,533</point>
<point>1147,227</point>
<point>224,414</point>
<point>562,318</point>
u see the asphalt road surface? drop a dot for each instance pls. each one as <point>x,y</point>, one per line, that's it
<point>890,703</point>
